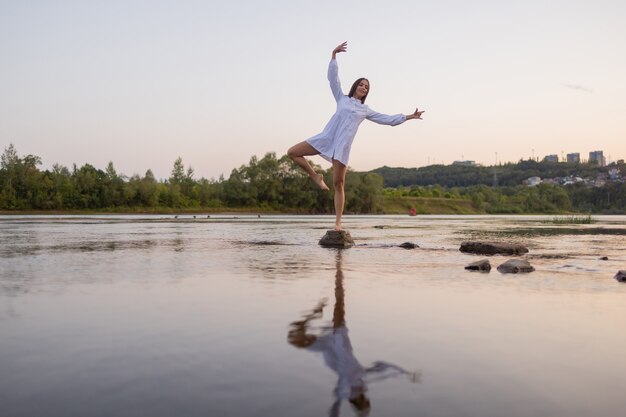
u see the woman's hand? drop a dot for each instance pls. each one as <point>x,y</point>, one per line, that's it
<point>340,48</point>
<point>416,115</point>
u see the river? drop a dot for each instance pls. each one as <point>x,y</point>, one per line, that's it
<point>156,315</point>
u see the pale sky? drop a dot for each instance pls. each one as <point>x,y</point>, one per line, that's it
<point>141,83</point>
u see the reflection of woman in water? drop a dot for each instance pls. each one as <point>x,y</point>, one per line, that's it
<point>334,143</point>
<point>334,344</point>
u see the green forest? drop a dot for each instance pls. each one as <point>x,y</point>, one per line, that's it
<point>273,184</point>
<point>508,175</point>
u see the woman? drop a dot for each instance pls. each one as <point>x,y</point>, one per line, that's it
<point>334,143</point>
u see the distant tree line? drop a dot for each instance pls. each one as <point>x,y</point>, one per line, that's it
<point>267,183</point>
<point>545,198</point>
<point>507,175</point>
<point>608,199</point>
<point>277,184</point>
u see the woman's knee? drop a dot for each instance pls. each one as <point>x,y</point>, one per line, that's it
<point>338,183</point>
<point>298,150</point>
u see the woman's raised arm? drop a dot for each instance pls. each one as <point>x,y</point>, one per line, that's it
<point>343,47</point>
<point>333,72</point>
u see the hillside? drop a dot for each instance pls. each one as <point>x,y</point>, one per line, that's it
<point>509,174</point>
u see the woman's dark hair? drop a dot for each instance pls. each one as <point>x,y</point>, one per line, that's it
<point>355,85</point>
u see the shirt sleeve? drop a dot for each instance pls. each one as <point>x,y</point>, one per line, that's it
<point>385,119</point>
<point>333,79</point>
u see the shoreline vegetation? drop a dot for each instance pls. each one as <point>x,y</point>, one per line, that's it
<point>392,205</point>
<point>573,219</point>
<point>273,185</point>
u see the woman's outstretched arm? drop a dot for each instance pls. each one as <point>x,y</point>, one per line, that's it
<point>392,120</point>
<point>417,114</point>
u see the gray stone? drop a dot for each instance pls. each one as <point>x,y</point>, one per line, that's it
<point>337,239</point>
<point>621,275</point>
<point>408,245</point>
<point>482,265</point>
<point>514,266</point>
<point>492,248</point>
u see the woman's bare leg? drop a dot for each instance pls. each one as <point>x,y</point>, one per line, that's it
<point>339,179</point>
<point>297,153</point>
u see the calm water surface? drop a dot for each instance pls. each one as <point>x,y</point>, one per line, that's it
<point>247,316</point>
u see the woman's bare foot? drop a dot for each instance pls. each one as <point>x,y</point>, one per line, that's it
<point>338,227</point>
<point>319,180</point>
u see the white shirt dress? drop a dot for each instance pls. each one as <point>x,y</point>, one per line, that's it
<point>336,139</point>
<point>335,346</point>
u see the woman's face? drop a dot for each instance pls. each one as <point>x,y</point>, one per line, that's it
<point>362,89</point>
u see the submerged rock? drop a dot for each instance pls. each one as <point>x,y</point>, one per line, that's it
<point>482,265</point>
<point>408,245</point>
<point>621,275</point>
<point>337,239</point>
<point>514,266</point>
<point>492,248</point>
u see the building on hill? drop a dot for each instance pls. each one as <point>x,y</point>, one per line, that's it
<point>533,181</point>
<point>571,179</point>
<point>597,157</point>
<point>465,163</point>
<point>573,158</point>
<point>551,158</point>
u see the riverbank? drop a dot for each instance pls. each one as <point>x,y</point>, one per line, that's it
<point>389,205</point>
<point>146,210</point>
<point>423,205</point>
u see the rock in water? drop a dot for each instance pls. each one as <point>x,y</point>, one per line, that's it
<point>482,265</point>
<point>492,248</point>
<point>337,239</point>
<point>514,266</point>
<point>621,275</point>
<point>408,245</point>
